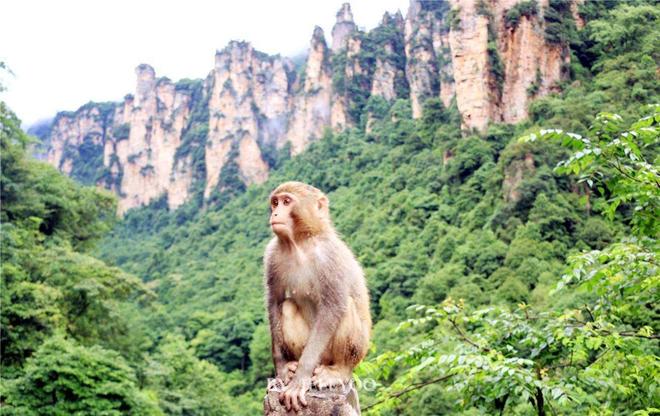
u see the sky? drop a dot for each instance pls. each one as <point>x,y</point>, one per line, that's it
<point>65,53</point>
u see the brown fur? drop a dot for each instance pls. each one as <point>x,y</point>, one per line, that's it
<point>318,303</point>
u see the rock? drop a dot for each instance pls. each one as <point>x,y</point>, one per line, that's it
<point>514,174</point>
<point>312,104</point>
<point>421,60</point>
<point>337,401</point>
<point>253,104</point>
<point>343,28</point>
<point>249,96</point>
<point>386,73</point>
<point>532,66</point>
<point>157,117</point>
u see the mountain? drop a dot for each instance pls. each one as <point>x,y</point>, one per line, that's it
<point>205,138</point>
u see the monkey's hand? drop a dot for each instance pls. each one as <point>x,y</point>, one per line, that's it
<point>287,371</point>
<point>293,395</point>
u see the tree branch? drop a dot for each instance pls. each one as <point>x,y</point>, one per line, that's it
<point>466,339</point>
<point>413,387</point>
<point>625,334</point>
<point>633,334</point>
<point>621,171</point>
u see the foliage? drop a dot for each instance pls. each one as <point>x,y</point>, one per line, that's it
<point>453,18</point>
<point>188,385</point>
<point>495,65</point>
<point>122,131</point>
<point>559,24</point>
<point>614,162</point>
<point>526,8</point>
<point>599,353</point>
<point>65,378</point>
<point>398,206</point>
<point>87,166</point>
<point>63,311</point>
<point>194,135</point>
<point>77,335</point>
<point>619,50</point>
<point>230,181</point>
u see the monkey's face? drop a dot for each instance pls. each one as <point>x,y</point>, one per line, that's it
<point>281,209</point>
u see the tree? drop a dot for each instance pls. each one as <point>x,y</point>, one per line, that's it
<point>598,355</point>
<point>184,384</point>
<point>66,378</point>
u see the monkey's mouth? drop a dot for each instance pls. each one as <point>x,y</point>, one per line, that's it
<point>272,224</point>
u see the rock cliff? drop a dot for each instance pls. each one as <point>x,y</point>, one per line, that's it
<point>248,110</point>
<point>170,140</point>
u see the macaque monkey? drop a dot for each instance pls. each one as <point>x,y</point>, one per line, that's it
<point>317,298</point>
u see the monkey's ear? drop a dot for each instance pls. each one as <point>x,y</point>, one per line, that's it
<point>322,203</point>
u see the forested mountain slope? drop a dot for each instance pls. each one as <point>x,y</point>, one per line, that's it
<point>477,222</point>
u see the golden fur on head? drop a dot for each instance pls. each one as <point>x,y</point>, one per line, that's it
<point>298,188</point>
<point>310,216</point>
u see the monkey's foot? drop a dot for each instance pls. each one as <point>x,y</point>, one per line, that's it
<point>288,371</point>
<point>330,375</point>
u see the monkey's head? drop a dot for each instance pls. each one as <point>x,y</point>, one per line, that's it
<point>298,211</point>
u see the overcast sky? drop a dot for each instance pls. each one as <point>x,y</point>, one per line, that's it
<point>65,53</point>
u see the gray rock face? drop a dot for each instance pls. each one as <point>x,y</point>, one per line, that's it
<point>343,28</point>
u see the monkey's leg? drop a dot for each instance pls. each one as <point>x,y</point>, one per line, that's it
<point>348,346</point>
<point>295,331</point>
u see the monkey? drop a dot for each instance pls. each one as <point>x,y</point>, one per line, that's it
<point>316,294</point>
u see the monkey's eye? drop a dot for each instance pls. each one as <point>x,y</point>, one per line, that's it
<point>286,201</point>
<point>274,202</point>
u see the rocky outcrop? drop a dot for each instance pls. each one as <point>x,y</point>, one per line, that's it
<point>421,62</point>
<point>115,148</point>
<point>388,80</point>
<point>71,132</point>
<point>157,117</point>
<point>389,77</point>
<point>175,140</point>
<point>477,92</point>
<point>248,108</point>
<point>532,66</point>
<point>343,28</point>
<point>575,13</point>
<point>312,103</point>
<point>348,68</point>
<point>514,174</point>
<point>134,142</point>
<point>491,56</point>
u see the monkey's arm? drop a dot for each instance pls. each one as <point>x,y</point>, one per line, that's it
<point>328,314</point>
<point>275,319</point>
<point>331,308</point>
<point>277,339</point>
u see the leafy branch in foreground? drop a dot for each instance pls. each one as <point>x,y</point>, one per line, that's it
<point>615,161</point>
<point>598,356</point>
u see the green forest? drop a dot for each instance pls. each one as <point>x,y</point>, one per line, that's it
<point>511,272</point>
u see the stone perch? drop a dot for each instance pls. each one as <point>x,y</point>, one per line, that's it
<point>337,401</point>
